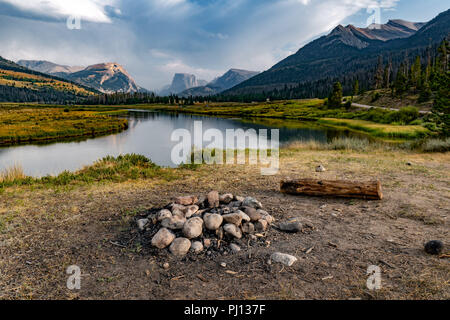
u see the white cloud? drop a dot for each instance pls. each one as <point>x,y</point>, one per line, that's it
<point>90,10</point>
<point>154,39</point>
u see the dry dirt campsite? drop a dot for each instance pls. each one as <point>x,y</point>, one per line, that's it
<point>45,229</point>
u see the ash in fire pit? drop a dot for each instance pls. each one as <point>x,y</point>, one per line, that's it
<point>194,223</point>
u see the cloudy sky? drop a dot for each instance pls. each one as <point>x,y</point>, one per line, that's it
<point>153,39</point>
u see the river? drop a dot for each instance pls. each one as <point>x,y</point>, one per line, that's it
<point>149,134</point>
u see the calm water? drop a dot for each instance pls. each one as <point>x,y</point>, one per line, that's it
<point>149,134</point>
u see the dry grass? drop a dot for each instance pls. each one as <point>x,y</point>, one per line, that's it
<point>12,173</point>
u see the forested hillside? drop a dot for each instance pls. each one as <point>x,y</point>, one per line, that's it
<point>19,84</point>
<point>342,56</point>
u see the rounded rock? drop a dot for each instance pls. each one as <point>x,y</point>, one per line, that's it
<point>232,230</point>
<point>213,199</point>
<point>197,247</point>
<point>164,214</point>
<point>174,223</point>
<point>261,225</point>
<point>162,238</point>
<point>180,246</point>
<point>234,218</point>
<point>253,214</point>
<point>213,221</point>
<point>244,216</point>
<point>193,228</point>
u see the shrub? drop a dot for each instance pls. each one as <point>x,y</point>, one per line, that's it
<point>431,126</point>
<point>348,144</point>
<point>348,105</point>
<point>375,96</point>
<point>416,122</point>
<point>436,145</point>
<point>406,115</point>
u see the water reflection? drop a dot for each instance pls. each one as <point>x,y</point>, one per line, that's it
<point>149,134</point>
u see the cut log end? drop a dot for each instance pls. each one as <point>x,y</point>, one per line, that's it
<point>346,189</point>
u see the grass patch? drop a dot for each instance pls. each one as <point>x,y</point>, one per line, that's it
<point>436,145</point>
<point>18,126</point>
<point>349,144</point>
<point>380,130</point>
<point>11,174</point>
<point>109,169</point>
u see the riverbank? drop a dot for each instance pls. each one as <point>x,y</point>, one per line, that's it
<point>86,221</point>
<point>21,125</point>
<point>387,127</point>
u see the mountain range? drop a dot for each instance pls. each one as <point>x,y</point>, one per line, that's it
<point>228,80</point>
<point>345,54</point>
<point>349,52</point>
<point>104,77</point>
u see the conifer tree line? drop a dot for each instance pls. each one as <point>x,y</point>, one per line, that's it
<point>119,98</point>
<point>420,76</point>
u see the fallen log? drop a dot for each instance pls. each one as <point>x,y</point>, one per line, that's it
<point>346,189</point>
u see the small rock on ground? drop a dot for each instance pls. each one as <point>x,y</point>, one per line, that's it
<point>197,247</point>
<point>291,226</point>
<point>283,258</point>
<point>320,168</point>
<point>235,248</point>
<point>434,247</point>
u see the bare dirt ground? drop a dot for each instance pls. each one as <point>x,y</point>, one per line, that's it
<point>46,230</point>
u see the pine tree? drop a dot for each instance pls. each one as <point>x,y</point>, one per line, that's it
<point>355,88</point>
<point>441,106</point>
<point>379,73</point>
<point>335,99</point>
<point>416,73</point>
<point>400,83</point>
